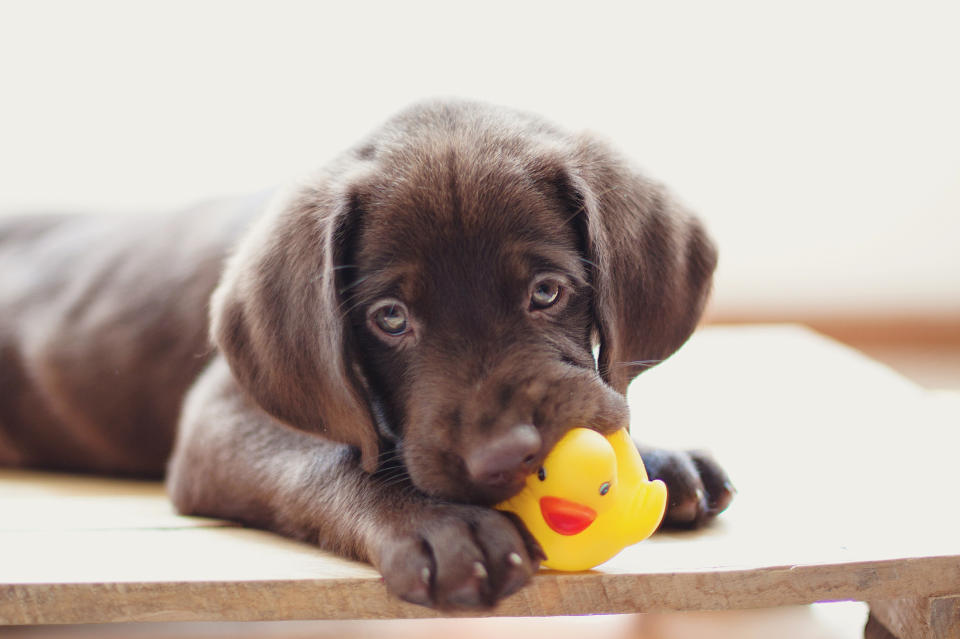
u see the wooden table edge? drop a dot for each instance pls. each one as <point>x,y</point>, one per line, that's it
<point>549,594</point>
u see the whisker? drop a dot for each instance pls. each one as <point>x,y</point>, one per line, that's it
<point>319,276</point>
<point>610,190</point>
<point>647,363</point>
<point>343,312</point>
<point>359,280</point>
<point>583,206</point>
<point>390,470</point>
<point>389,464</point>
<point>393,482</point>
<point>580,209</point>
<point>394,476</point>
<point>391,473</point>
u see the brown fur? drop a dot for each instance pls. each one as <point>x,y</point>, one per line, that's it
<point>306,418</point>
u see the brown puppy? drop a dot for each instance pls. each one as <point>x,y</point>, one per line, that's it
<point>400,340</point>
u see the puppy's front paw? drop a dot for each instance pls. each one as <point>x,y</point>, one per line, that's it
<point>458,557</point>
<point>698,489</point>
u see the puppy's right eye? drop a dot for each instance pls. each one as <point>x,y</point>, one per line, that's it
<point>548,293</point>
<point>545,294</point>
<point>391,318</point>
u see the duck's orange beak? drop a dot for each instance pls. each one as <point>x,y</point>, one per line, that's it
<point>566,517</point>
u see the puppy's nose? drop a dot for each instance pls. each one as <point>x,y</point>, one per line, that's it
<point>507,458</point>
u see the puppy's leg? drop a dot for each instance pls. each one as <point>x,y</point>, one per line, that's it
<point>233,461</point>
<point>698,489</point>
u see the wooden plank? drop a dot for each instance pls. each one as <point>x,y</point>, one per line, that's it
<point>37,501</point>
<point>844,472</point>
<point>353,597</point>
<point>919,617</point>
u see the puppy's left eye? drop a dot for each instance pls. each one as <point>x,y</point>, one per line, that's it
<point>391,318</point>
<point>545,294</point>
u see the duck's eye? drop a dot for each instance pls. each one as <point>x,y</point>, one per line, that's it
<point>542,474</point>
<point>605,488</point>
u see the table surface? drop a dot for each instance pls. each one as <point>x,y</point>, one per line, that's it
<point>846,482</point>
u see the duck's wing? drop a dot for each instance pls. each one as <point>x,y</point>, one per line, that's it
<point>644,510</point>
<point>630,469</point>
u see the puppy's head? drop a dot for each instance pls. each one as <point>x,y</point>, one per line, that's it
<point>441,289</point>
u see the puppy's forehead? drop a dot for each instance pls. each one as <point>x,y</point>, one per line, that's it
<point>466,213</point>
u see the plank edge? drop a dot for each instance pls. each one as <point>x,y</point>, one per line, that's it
<point>549,594</point>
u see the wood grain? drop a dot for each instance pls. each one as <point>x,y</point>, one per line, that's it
<point>919,617</point>
<point>356,597</point>
<point>845,481</point>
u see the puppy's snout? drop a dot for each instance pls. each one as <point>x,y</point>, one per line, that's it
<point>507,458</point>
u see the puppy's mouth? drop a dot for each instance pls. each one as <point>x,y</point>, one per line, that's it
<point>500,488</point>
<point>479,495</point>
<point>483,448</point>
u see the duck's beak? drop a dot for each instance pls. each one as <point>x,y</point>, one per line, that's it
<point>566,517</point>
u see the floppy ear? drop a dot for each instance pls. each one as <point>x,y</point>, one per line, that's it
<point>652,261</point>
<point>276,316</point>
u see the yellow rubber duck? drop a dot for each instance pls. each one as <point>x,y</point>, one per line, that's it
<point>589,500</point>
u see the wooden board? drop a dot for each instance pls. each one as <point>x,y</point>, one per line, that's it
<point>846,491</point>
<point>926,618</point>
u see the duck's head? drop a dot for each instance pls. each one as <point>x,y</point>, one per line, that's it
<point>590,499</point>
<point>576,484</point>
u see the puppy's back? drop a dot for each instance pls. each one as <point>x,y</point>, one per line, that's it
<point>103,327</point>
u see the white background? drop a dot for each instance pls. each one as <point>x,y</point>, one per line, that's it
<point>819,140</point>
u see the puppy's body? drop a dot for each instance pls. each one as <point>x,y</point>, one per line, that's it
<point>400,340</point>
<point>103,328</point>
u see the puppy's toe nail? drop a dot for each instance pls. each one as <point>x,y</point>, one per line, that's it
<point>515,559</point>
<point>720,501</point>
<point>479,571</point>
<point>425,575</point>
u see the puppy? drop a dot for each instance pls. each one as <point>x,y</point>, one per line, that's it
<point>400,339</point>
